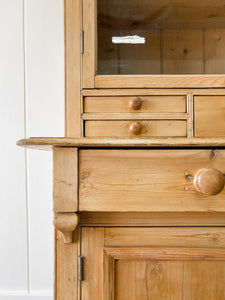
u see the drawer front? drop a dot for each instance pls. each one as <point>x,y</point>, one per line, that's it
<point>151,180</point>
<point>209,116</point>
<point>162,128</point>
<point>142,104</point>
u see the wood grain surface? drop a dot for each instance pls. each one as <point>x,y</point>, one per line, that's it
<point>146,180</point>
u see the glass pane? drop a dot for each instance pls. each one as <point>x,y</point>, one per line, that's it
<point>161,37</point>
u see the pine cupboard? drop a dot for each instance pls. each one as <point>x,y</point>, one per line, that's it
<point>138,179</point>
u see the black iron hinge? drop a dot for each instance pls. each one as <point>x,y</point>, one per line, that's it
<point>82,42</point>
<point>80,268</point>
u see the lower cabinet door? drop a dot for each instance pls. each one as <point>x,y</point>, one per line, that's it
<point>143,263</point>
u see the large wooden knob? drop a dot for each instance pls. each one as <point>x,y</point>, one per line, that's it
<point>135,103</point>
<point>135,128</point>
<point>209,181</point>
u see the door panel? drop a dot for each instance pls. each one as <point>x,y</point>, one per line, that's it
<point>204,280</point>
<point>131,269</point>
<point>148,280</point>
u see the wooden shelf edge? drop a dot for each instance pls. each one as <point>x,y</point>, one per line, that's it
<point>46,143</point>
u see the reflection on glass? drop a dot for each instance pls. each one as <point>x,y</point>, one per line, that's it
<point>134,39</point>
<point>161,37</point>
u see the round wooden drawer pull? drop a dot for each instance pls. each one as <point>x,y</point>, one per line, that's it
<point>135,128</point>
<point>209,181</point>
<point>135,103</point>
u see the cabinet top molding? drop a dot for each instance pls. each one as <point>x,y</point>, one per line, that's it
<point>46,143</point>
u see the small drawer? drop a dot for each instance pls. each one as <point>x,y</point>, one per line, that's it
<point>151,180</point>
<point>142,104</point>
<point>209,116</point>
<point>162,128</point>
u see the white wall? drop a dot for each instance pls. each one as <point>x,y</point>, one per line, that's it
<point>32,104</point>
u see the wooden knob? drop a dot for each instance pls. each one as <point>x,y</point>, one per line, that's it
<point>209,181</point>
<point>135,128</point>
<point>135,103</point>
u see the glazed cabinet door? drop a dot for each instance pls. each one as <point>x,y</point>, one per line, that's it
<point>153,263</point>
<point>148,41</point>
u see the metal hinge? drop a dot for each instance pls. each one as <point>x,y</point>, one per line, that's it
<point>82,42</point>
<point>80,268</point>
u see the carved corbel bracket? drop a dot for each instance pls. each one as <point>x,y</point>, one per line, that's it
<point>66,223</point>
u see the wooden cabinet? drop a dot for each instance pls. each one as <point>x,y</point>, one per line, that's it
<point>139,206</point>
<point>136,222</point>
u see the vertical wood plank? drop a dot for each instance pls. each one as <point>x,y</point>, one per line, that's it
<point>73,24</point>
<point>92,250</point>
<point>108,277</point>
<point>204,280</point>
<point>130,280</point>
<point>90,42</point>
<point>190,111</point>
<point>13,232</point>
<point>214,51</point>
<point>164,280</point>
<point>107,52</point>
<point>65,181</point>
<point>141,58</point>
<point>149,280</point>
<point>183,52</point>
<point>66,268</point>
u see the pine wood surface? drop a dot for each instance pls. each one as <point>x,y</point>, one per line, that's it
<point>65,179</point>
<point>66,280</point>
<point>196,15</point>
<point>214,52</point>
<point>159,81</point>
<point>159,128</point>
<point>209,237</point>
<point>130,219</point>
<point>135,116</point>
<point>73,23</point>
<point>92,243</point>
<point>154,269</point>
<point>158,277</point>
<point>166,253</point>
<point>151,92</point>
<point>209,116</point>
<point>146,180</point>
<point>204,280</point>
<point>150,104</point>
<point>184,59</point>
<point>46,143</point>
<point>90,42</point>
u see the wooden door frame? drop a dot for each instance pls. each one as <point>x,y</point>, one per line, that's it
<point>92,80</point>
<point>73,84</point>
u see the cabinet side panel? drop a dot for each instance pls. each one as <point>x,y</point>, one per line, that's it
<point>65,161</point>
<point>73,20</point>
